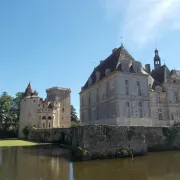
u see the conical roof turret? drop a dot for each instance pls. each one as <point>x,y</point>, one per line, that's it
<point>29,90</point>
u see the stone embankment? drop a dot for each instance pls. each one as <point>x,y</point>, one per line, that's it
<point>102,141</point>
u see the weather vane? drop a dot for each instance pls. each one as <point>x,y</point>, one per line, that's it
<point>121,40</point>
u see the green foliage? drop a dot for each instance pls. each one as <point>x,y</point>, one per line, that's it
<point>26,131</point>
<point>74,124</point>
<point>170,134</point>
<point>83,151</point>
<point>9,112</point>
<point>126,152</point>
<point>73,114</point>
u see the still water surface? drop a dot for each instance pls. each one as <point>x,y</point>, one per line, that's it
<point>24,163</point>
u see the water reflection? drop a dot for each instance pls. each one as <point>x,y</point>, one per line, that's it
<point>43,164</point>
<point>29,164</point>
<point>156,166</point>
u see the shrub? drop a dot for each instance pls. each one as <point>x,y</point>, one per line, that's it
<point>74,123</point>
<point>26,131</point>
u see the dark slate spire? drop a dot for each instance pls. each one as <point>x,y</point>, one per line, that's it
<point>157,60</point>
<point>28,91</point>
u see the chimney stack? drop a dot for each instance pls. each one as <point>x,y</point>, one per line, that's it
<point>148,68</point>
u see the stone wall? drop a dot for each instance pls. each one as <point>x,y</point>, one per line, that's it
<point>162,138</point>
<point>99,142</point>
<point>104,141</point>
<point>56,135</point>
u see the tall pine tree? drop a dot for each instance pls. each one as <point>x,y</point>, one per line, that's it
<point>73,114</point>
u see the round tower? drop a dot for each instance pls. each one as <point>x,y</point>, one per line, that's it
<point>28,110</point>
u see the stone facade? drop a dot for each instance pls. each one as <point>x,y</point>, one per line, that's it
<point>121,92</point>
<point>165,99</point>
<point>53,112</point>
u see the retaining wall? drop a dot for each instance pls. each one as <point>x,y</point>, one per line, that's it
<point>104,141</point>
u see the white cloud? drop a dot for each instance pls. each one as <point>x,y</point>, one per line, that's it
<point>144,20</point>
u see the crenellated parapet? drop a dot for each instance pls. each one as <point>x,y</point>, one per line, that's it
<point>58,89</point>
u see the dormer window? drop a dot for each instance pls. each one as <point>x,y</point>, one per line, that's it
<point>136,66</point>
<point>125,66</point>
<point>89,82</point>
<point>137,69</point>
<point>97,76</point>
<point>107,71</point>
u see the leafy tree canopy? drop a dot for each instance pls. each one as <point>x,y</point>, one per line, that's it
<point>9,111</point>
<point>73,114</point>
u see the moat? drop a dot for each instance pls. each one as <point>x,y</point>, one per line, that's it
<point>39,163</point>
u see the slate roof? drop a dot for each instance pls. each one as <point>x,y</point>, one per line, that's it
<point>111,63</point>
<point>29,91</point>
<point>160,74</point>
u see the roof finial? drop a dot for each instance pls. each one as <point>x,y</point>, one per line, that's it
<point>164,61</point>
<point>121,40</point>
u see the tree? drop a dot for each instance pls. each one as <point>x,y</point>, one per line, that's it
<point>5,111</point>
<point>16,108</point>
<point>9,112</point>
<point>73,114</point>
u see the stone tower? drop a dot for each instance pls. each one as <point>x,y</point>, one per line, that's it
<point>28,109</point>
<point>61,95</point>
<point>157,60</point>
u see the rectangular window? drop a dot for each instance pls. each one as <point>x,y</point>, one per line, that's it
<point>158,98</point>
<point>97,94</point>
<point>126,87</point>
<point>138,88</point>
<point>140,110</point>
<point>89,98</point>
<point>160,114</point>
<point>43,125</point>
<point>49,125</point>
<point>128,109</point>
<point>97,111</point>
<point>172,117</point>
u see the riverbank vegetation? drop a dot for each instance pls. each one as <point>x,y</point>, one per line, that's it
<point>9,115</point>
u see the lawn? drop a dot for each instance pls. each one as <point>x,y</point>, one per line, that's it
<point>11,143</point>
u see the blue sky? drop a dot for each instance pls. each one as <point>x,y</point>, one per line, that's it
<point>58,43</point>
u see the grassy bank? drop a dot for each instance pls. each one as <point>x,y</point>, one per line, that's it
<point>12,143</point>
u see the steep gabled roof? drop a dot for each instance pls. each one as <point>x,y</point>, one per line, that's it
<point>112,63</point>
<point>160,74</point>
<point>29,91</point>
